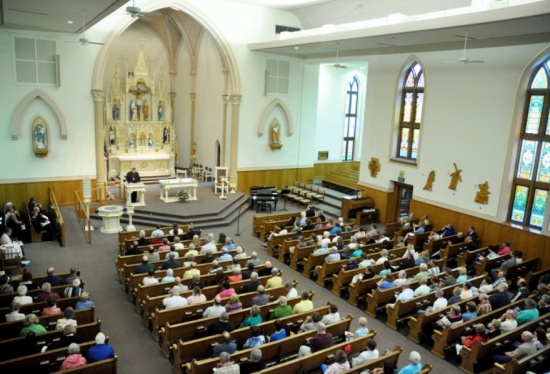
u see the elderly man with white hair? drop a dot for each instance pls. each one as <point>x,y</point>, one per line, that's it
<point>240,253</point>
<point>100,351</point>
<point>74,290</point>
<point>383,256</point>
<point>169,277</point>
<point>174,301</point>
<point>226,366</point>
<point>415,366</point>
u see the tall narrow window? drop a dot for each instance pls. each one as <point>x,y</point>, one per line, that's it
<point>532,174</point>
<point>350,120</point>
<point>411,113</point>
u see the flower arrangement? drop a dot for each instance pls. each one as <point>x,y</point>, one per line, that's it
<point>182,196</point>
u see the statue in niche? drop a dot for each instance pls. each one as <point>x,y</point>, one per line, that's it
<point>160,111</point>
<point>112,135</point>
<point>482,196</point>
<point>39,137</point>
<point>166,136</point>
<point>145,110</point>
<point>149,142</point>
<point>455,177</point>
<point>116,111</point>
<point>132,109</point>
<point>138,109</point>
<point>275,141</point>
<point>430,181</point>
<point>131,143</point>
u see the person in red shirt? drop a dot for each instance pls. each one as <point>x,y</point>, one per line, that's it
<point>506,249</point>
<point>479,336</point>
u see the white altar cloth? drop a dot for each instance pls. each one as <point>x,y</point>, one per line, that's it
<point>188,184</point>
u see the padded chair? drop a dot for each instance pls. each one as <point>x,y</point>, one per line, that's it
<point>207,174</point>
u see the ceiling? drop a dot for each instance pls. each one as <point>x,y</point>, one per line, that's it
<point>524,24</point>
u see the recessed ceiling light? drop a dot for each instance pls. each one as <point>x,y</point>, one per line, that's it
<point>296,47</point>
<point>70,21</point>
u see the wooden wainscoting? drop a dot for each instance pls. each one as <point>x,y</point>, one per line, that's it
<point>20,193</point>
<point>273,177</point>
<point>382,201</point>
<point>532,244</point>
<point>320,169</point>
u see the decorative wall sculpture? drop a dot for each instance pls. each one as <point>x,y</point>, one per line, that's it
<point>482,196</point>
<point>430,181</point>
<point>455,177</point>
<point>374,167</point>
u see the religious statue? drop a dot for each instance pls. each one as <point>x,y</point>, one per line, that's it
<point>131,143</point>
<point>455,177</point>
<point>149,142</point>
<point>138,109</point>
<point>145,110</point>
<point>160,111</point>
<point>482,196</point>
<point>275,141</point>
<point>132,109</point>
<point>112,135</point>
<point>166,136</point>
<point>430,181</point>
<point>115,111</point>
<point>39,132</point>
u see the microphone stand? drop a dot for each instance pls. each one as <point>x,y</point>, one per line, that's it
<point>238,222</point>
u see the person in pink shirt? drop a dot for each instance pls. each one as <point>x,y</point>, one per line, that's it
<point>165,247</point>
<point>506,250</point>
<point>74,359</point>
<point>227,290</point>
<point>51,308</point>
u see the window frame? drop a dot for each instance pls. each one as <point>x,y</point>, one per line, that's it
<point>351,95</point>
<point>540,138</point>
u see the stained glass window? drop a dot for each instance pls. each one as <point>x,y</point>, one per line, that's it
<point>534,114</point>
<point>520,203</point>
<point>532,177</point>
<point>411,112</point>
<point>539,208</point>
<point>350,120</point>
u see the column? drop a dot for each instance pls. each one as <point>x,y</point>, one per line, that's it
<point>225,99</point>
<point>99,110</point>
<point>235,109</point>
<point>174,138</point>
<point>192,128</point>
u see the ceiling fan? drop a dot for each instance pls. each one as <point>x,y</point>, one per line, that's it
<point>83,40</point>
<point>337,64</point>
<point>134,11</point>
<point>464,60</point>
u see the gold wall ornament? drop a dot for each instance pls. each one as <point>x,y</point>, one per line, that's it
<point>374,166</point>
<point>430,181</point>
<point>482,196</point>
<point>455,177</point>
<point>275,135</point>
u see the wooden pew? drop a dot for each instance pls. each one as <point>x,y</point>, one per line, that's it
<point>521,269</point>
<point>37,307</point>
<point>12,329</point>
<point>108,366</point>
<point>474,355</point>
<point>271,226</point>
<point>259,220</point>
<point>284,250</point>
<point>124,236</point>
<point>466,257</point>
<point>202,348</point>
<point>151,303</point>
<point>277,240</point>
<point>44,362</point>
<point>390,358</point>
<point>328,269</point>
<point>7,299</point>
<point>17,347</point>
<point>392,228</point>
<point>450,334</point>
<point>533,278</point>
<point>193,329</point>
<point>433,246</point>
<point>300,253</point>
<point>453,250</point>
<point>489,263</point>
<point>538,361</point>
<point>312,362</point>
<point>275,351</point>
<point>402,309</point>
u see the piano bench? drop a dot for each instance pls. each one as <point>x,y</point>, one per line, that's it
<point>263,206</point>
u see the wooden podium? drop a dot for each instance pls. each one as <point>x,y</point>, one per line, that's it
<point>352,205</point>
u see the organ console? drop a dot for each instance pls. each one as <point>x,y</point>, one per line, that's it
<point>352,205</point>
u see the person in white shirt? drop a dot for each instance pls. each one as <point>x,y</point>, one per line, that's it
<point>383,237</point>
<point>383,257</point>
<point>176,231</point>
<point>292,291</point>
<point>10,248</point>
<point>173,250</point>
<point>157,233</point>
<point>14,314</point>
<point>175,300</point>
<point>22,298</point>
<point>439,303</point>
<point>370,354</point>
<point>177,243</point>
<point>402,278</point>
<point>214,310</point>
<point>209,246</point>
<point>333,315</point>
<point>405,294</point>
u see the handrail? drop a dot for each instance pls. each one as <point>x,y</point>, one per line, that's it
<point>83,218</point>
<point>58,217</point>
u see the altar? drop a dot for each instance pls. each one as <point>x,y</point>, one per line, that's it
<point>147,165</point>
<point>188,184</point>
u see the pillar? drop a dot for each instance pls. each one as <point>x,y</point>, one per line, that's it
<point>192,129</point>
<point>225,99</point>
<point>235,109</point>
<point>99,111</point>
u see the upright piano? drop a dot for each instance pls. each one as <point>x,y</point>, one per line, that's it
<point>264,194</point>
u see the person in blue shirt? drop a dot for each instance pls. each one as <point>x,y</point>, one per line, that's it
<point>387,282</point>
<point>323,250</point>
<point>470,312</point>
<point>415,366</point>
<point>85,302</point>
<point>448,230</point>
<point>336,229</point>
<point>280,332</point>
<point>100,351</point>
<point>225,255</point>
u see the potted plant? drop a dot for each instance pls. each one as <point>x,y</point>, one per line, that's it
<point>182,196</point>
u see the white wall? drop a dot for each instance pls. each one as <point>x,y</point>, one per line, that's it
<point>468,119</point>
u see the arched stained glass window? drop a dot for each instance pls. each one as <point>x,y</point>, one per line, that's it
<point>411,113</point>
<point>350,120</point>
<point>532,173</point>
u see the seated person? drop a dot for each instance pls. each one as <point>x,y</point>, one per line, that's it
<point>31,325</point>
<point>226,345</point>
<point>257,339</point>
<point>74,359</point>
<point>526,348</point>
<point>100,351</point>
<point>254,364</point>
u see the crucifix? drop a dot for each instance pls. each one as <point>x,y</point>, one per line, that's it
<point>455,177</point>
<point>374,166</point>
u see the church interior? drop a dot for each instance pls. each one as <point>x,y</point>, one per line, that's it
<point>369,110</point>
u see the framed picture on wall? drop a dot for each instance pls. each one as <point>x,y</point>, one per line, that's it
<point>40,137</point>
